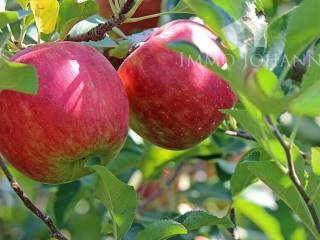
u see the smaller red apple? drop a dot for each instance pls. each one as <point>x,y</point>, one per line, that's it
<point>175,102</point>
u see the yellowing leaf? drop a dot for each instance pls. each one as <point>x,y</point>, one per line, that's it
<point>45,14</point>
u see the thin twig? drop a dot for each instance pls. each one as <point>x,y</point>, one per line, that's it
<point>156,194</point>
<point>55,233</point>
<point>233,230</point>
<point>248,136</point>
<point>292,172</point>
<point>240,134</point>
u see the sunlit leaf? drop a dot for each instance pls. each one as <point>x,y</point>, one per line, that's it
<point>306,19</point>
<point>45,14</point>
<point>279,181</point>
<point>315,160</point>
<point>8,17</point>
<point>119,198</point>
<point>17,76</point>
<point>197,219</point>
<point>242,177</point>
<point>162,230</point>
<point>72,12</point>
<point>265,221</point>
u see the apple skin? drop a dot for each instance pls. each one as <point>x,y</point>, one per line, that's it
<point>148,7</point>
<point>174,101</point>
<point>81,110</point>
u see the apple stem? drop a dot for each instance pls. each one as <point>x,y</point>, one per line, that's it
<point>55,233</point>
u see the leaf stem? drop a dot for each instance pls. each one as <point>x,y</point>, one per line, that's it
<point>55,233</point>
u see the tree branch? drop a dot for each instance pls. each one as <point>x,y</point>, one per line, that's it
<point>55,233</point>
<point>156,194</point>
<point>98,33</point>
<point>292,172</point>
<point>240,134</point>
<point>248,136</point>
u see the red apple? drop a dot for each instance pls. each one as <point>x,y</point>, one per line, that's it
<point>81,111</point>
<point>174,101</point>
<point>148,7</point>
<point>148,189</point>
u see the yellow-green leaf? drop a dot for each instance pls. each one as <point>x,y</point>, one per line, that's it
<point>315,160</point>
<point>45,14</point>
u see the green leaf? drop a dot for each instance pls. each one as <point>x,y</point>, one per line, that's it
<point>71,12</point>
<point>161,230</point>
<point>262,88</point>
<point>125,160</point>
<point>18,77</point>
<point>276,37</point>
<point>121,51</point>
<point>311,77</point>
<point>315,160</point>
<point>313,190</point>
<point>181,7</point>
<point>107,227</point>
<point>104,43</point>
<point>196,219</point>
<point>214,16</point>
<point>8,17</point>
<point>235,8</point>
<point>305,18</point>
<point>242,177</point>
<point>269,83</point>
<point>64,200</point>
<point>307,102</point>
<point>265,221</point>
<point>119,198</point>
<point>4,37</point>
<point>280,183</point>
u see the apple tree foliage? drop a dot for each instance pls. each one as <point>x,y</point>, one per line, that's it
<point>274,68</point>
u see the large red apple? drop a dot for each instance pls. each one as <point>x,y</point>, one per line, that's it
<point>81,111</point>
<point>148,7</point>
<point>175,102</point>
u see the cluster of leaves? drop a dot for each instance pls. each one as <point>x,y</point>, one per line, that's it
<point>264,44</point>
